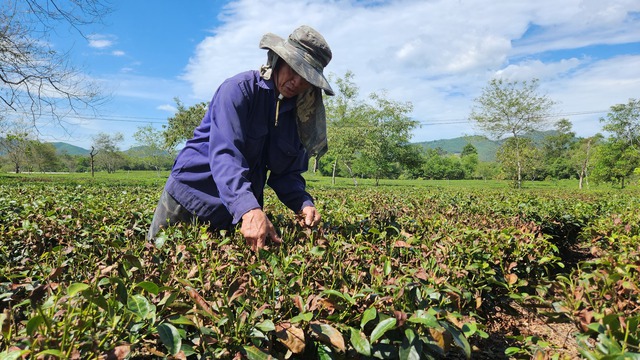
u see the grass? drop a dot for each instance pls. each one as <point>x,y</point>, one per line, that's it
<point>313,180</point>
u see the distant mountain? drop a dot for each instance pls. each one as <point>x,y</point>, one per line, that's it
<point>486,147</point>
<point>64,148</point>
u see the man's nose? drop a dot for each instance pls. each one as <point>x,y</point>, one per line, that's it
<point>298,80</point>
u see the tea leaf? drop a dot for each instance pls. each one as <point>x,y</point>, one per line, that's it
<point>411,346</point>
<point>359,342</point>
<point>52,352</point>
<point>325,352</point>
<point>170,337</point>
<point>511,278</point>
<point>469,329</point>
<point>423,317</point>
<point>253,353</point>
<point>382,327</point>
<point>76,288</point>
<point>368,315</point>
<point>328,335</point>
<point>120,352</point>
<point>343,296</point>
<point>149,286</point>
<point>266,326</point>
<point>302,317</point>
<point>139,305</point>
<point>442,338</point>
<point>292,337</point>
<point>459,339</point>
<point>181,320</point>
<point>13,354</point>
<point>33,324</point>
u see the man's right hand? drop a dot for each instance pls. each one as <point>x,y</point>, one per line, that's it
<point>257,228</point>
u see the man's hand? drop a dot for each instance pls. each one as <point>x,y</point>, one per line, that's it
<point>256,228</point>
<point>311,216</point>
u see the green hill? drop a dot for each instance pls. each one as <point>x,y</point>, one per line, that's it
<point>486,147</point>
<point>64,148</point>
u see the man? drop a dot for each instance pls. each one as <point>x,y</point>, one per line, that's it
<point>260,128</point>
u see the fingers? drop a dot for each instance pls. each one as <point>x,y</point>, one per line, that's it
<point>257,228</point>
<point>311,216</point>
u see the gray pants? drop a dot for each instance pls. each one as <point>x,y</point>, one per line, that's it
<point>168,212</point>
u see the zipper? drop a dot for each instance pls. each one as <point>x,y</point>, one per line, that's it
<point>280,97</point>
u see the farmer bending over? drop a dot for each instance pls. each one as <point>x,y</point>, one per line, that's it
<point>258,122</point>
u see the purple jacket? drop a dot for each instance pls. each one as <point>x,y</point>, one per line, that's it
<point>221,172</point>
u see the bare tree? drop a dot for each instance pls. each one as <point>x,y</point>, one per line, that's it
<point>36,79</point>
<point>92,159</point>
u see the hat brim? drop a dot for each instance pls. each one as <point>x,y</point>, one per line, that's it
<point>295,59</point>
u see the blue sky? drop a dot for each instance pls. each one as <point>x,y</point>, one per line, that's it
<point>436,54</point>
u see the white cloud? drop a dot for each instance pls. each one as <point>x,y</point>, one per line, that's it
<point>118,53</point>
<point>136,87</point>
<point>101,41</point>
<point>168,108</point>
<point>529,69</point>
<point>440,54</point>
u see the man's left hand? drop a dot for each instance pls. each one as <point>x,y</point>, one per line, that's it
<point>311,216</point>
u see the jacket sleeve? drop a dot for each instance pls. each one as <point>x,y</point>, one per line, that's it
<point>229,168</point>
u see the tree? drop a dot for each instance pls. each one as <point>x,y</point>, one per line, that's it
<point>69,162</point>
<point>180,127</point>
<point>108,153</point>
<point>368,138</point>
<point>411,160</point>
<point>15,148</point>
<point>469,160</point>
<point>623,121</point>
<point>511,108</point>
<point>42,156</point>
<point>520,160</point>
<point>386,137</point>
<point>152,148</point>
<point>92,156</point>
<point>487,170</point>
<point>581,157</point>
<point>345,124</point>
<point>556,151</point>
<point>619,156</point>
<point>35,78</point>
<point>614,162</point>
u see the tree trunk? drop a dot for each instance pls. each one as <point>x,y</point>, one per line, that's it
<point>518,165</point>
<point>355,182</point>
<point>92,155</point>
<point>333,175</point>
<point>581,177</point>
<point>583,170</point>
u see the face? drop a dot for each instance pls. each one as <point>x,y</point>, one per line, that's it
<point>288,82</point>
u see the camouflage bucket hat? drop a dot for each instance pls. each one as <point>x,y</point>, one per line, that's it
<point>305,51</point>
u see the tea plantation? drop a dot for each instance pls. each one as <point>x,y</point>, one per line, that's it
<point>393,272</point>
